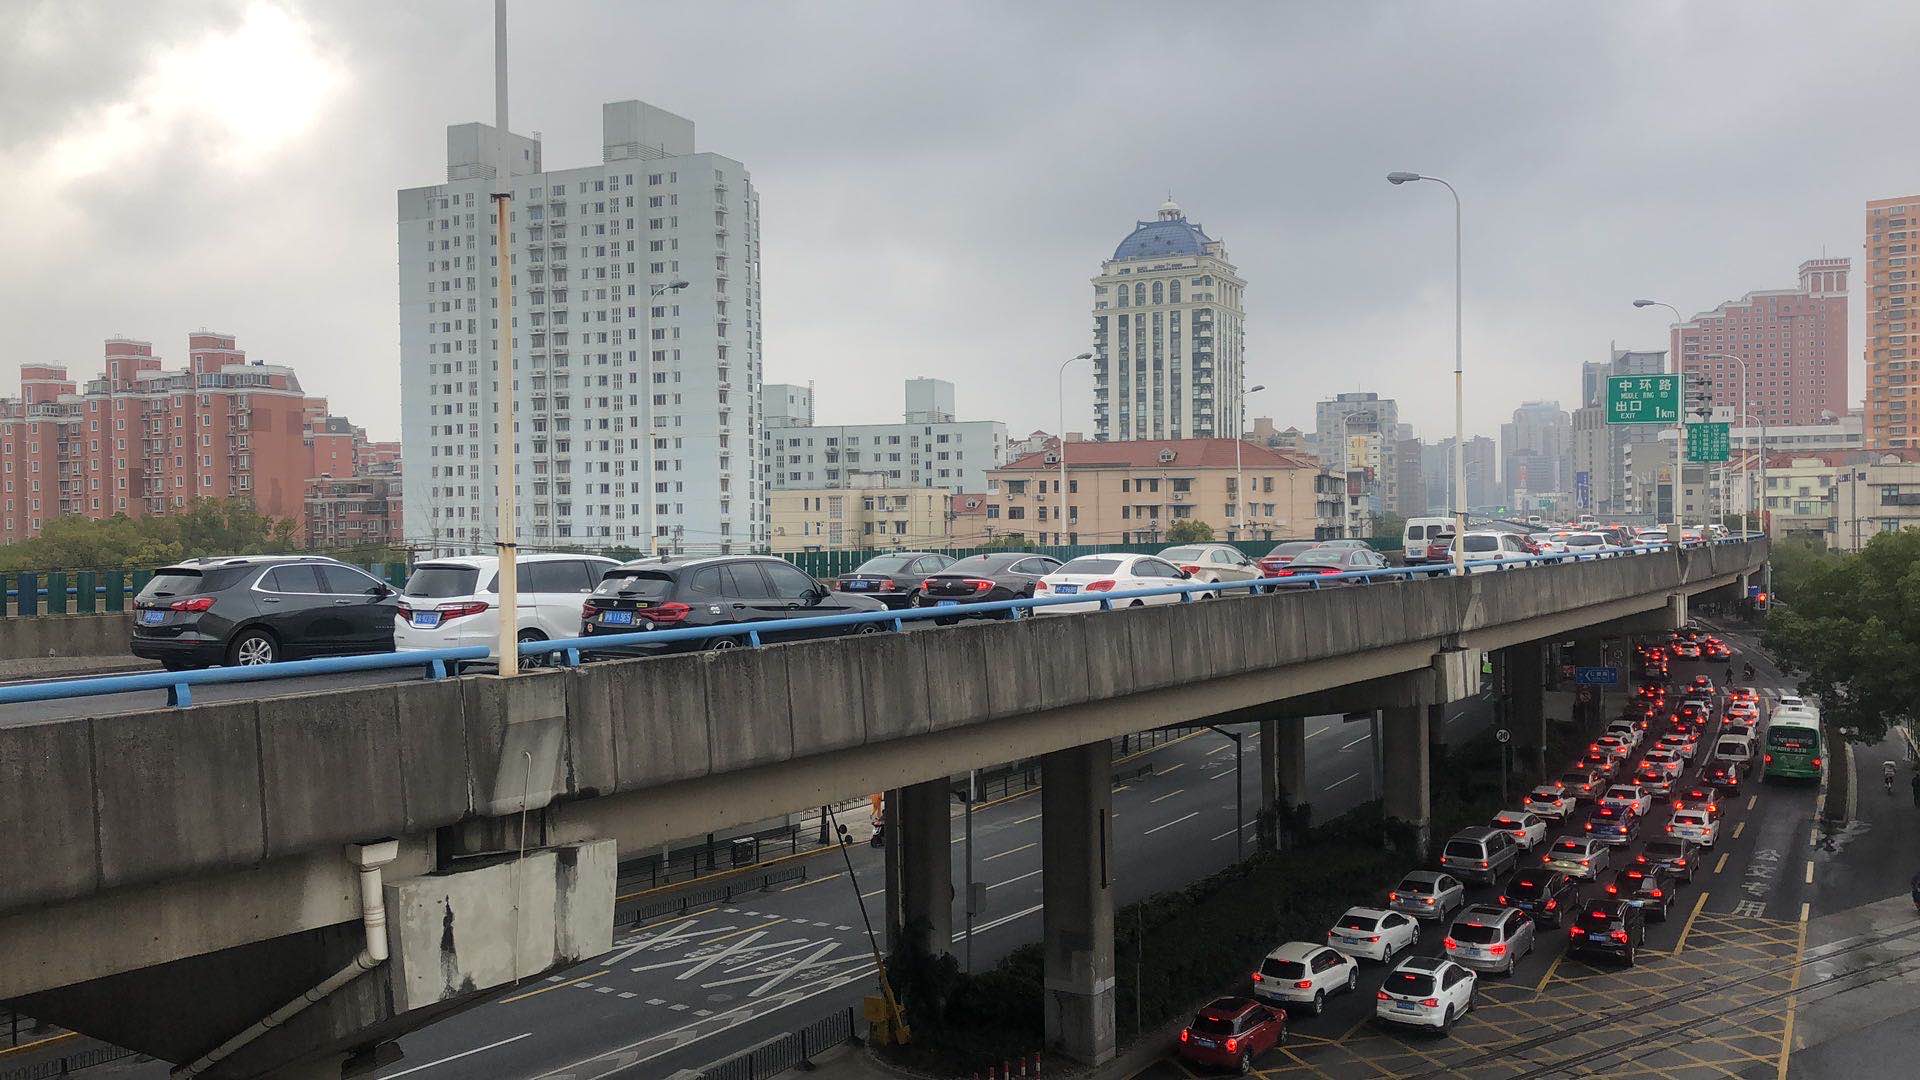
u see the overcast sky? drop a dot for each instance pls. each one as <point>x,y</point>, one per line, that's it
<point>939,182</point>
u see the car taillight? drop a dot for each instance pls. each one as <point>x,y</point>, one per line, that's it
<point>1233,1046</point>
<point>1502,900</point>
<point>1185,1034</point>
<point>202,603</point>
<point>1450,943</point>
<point>1767,759</point>
<point>980,584</point>
<point>1576,932</point>
<point>1303,984</point>
<point>1613,890</point>
<point>450,612</point>
<point>1519,834</point>
<point>1679,862</point>
<point>1040,587</point>
<point>1382,995</point>
<point>1499,950</point>
<point>1546,858</point>
<point>1392,896</point>
<point>1328,571</point>
<point>1584,862</point>
<point>1656,894</point>
<point>1190,569</point>
<point>1285,571</point>
<point>670,612</point>
<point>1619,936</point>
<point>1374,939</point>
<point>1669,826</point>
<point>1483,864</point>
<point>1816,763</point>
<point>1551,904</point>
<point>1431,1003</point>
<point>1589,826</point>
<point>1103,585</point>
<point>1256,976</point>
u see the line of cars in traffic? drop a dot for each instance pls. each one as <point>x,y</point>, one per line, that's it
<point>1565,859</point>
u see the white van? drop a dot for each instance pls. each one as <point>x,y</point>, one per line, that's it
<point>1420,531</point>
<point>1734,748</point>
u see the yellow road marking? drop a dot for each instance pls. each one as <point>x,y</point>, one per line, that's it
<point>1809,871</point>
<point>1738,828</point>
<point>551,986</point>
<point>1786,1034</point>
<point>1548,977</point>
<point>815,881</point>
<point>1722,864</point>
<point>1806,909</point>
<point>1688,929</point>
<point>1752,801</point>
<point>39,1042</point>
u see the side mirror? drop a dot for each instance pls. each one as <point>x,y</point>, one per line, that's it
<point>1183,575</point>
<point>817,594</point>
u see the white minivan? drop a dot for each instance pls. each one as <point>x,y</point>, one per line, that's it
<point>1734,748</point>
<point>1420,532</point>
<point>451,602</point>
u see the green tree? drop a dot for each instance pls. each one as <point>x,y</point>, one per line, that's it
<point>1390,526</point>
<point>1852,625</point>
<point>1796,563</point>
<point>1007,541</point>
<point>1189,531</point>
<point>203,527</point>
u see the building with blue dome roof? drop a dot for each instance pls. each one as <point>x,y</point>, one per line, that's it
<point>1169,337</point>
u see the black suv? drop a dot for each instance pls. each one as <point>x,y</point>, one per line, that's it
<point>258,609</point>
<point>1608,927</point>
<point>677,594</point>
<point>1545,894</point>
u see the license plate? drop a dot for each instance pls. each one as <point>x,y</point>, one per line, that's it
<point>857,584</point>
<point>152,618</point>
<point>1065,589</point>
<point>945,603</point>
<point>1208,1043</point>
<point>426,620</point>
<point>616,618</point>
<point>1351,940</point>
<point>1407,1006</point>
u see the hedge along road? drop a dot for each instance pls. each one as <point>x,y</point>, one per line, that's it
<point>686,992</point>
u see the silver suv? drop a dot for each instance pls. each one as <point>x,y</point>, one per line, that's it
<point>1487,938</point>
<point>1480,853</point>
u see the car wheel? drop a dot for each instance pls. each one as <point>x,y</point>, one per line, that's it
<point>1246,1062</point>
<point>1319,1002</point>
<point>1627,957</point>
<point>1446,1023</point>
<point>1138,603</point>
<point>1415,939</point>
<point>869,628</point>
<point>720,643</point>
<point>532,660</point>
<point>251,648</point>
<point>1353,979</point>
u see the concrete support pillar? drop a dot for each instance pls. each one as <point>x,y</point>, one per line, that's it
<point>920,868</point>
<point>1587,652</point>
<point>1525,695</point>
<point>1283,775</point>
<point>1437,735</point>
<point>1076,850</point>
<point>1406,795</point>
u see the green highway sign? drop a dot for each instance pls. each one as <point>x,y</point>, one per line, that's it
<point>1709,442</point>
<point>1643,399</point>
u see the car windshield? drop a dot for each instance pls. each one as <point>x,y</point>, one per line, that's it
<point>643,585</point>
<point>1324,555</point>
<point>1184,554</point>
<point>1571,847</point>
<point>1666,849</point>
<point>1506,823</point>
<point>1209,1025</point>
<point>1359,922</point>
<point>885,564</point>
<point>433,580</point>
<point>1464,849</point>
<point>1290,549</point>
<point>1482,543</point>
<point>1596,916</point>
<point>980,564</point>
<point>1283,969</point>
<point>1419,885</point>
<point>1088,564</point>
<point>1409,983</point>
<point>1475,934</point>
<point>1527,888</point>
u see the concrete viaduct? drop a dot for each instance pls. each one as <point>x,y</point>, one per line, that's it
<point>180,879</point>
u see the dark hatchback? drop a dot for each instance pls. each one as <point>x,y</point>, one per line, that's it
<point>1284,553</point>
<point>980,579</point>
<point>1547,895</point>
<point>1608,927</point>
<point>259,609</point>
<point>893,579</point>
<point>726,590</point>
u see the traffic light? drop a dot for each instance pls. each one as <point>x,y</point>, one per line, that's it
<point>1699,394</point>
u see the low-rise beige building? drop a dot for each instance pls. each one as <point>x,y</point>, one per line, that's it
<point>1881,495</point>
<point>1134,491</point>
<point>877,516</point>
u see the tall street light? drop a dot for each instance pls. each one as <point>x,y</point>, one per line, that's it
<point>504,439</point>
<point>1240,481</point>
<point>1676,532</point>
<point>646,326</point>
<point>1063,440</point>
<point>1459,392</point>
<point>1743,412</point>
<point>1747,486</point>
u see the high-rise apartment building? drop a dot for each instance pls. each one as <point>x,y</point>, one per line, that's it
<point>1169,335</point>
<point>1598,449</point>
<point>636,398</point>
<point>1436,470</point>
<point>1893,323</point>
<point>1534,449</point>
<point>142,440</point>
<point>1794,343</point>
<point>927,449</point>
<point>1356,433</point>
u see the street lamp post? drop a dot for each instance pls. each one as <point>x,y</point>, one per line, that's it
<point>505,540</point>
<point>1761,451</point>
<point>1459,391</point>
<point>1677,532</point>
<point>646,333</point>
<point>1240,481</point>
<point>1743,414</point>
<point>1063,441</point>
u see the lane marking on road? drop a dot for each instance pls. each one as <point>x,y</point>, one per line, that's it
<point>1173,768</point>
<point>1699,903</point>
<point>815,881</point>
<point>1752,801</point>
<point>1011,880</point>
<point>1004,854</point>
<point>1548,977</point>
<point>458,1056</point>
<point>871,895</point>
<point>1344,747</point>
<point>1806,909</point>
<point>1224,772</point>
<point>1172,823</point>
<point>1230,832</point>
<point>1809,871</point>
<point>1024,820</point>
<point>1738,828</point>
<point>1342,780</point>
<point>1786,1034</point>
<point>1318,731</point>
<point>1722,864</point>
<point>48,1041</point>
<point>1168,795</point>
<point>1221,750</point>
<point>1001,921</point>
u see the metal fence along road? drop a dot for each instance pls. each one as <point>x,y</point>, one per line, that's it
<point>440,663</point>
<point>794,1050</point>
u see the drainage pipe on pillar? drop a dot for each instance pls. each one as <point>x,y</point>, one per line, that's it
<point>368,858</point>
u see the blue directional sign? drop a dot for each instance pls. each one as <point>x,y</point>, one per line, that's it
<point>1596,676</point>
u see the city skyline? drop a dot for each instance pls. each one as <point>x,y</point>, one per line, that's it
<point>317,126</point>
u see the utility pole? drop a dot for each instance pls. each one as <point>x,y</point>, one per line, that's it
<point>503,440</point>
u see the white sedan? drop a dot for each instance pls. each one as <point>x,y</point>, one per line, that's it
<point>1549,800</point>
<point>1373,933</point>
<point>1527,829</point>
<point>1091,575</point>
<point>1631,796</point>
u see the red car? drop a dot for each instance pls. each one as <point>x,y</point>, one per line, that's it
<point>1229,1032</point>
<point>1282,554</point>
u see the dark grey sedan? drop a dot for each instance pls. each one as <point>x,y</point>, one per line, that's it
<point>1323,562</point>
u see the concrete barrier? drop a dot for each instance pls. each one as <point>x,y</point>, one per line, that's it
<point>65,635</point>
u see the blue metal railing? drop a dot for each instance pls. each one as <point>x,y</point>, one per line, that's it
<point>439,663</point>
